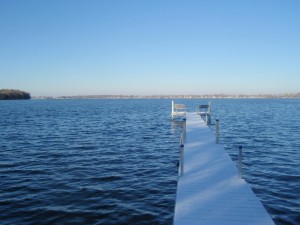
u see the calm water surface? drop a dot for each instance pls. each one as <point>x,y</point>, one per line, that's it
<point>114,161</point>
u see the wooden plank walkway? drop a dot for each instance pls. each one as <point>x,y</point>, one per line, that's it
<point>210,192</point>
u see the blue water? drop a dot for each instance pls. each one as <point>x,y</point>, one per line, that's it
<point>114,161</point>
<point>269,132</point>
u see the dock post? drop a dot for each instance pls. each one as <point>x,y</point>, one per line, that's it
<point>240,161</point>
<point>181,159</point>
<point>217,131</point>
<point>181,139</point>
<point>184,130</point>
<point>172,109</point>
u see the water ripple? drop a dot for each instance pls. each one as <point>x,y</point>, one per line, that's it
<point>87,162</point>
<point>268,130</point>
<point>114,161</point>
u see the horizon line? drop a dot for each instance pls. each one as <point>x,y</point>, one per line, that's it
<point>221,95</point>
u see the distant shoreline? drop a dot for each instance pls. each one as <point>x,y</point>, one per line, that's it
<point>12,94</point>
<point>217,96</point>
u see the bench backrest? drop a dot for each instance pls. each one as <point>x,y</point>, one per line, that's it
<point>179,106</point>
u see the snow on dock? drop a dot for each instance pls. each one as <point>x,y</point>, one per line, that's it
<point>209,191</point>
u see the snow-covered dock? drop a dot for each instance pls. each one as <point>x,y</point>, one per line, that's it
<point>209,192</point>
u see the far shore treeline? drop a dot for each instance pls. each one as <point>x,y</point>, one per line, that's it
<point>11,94</point>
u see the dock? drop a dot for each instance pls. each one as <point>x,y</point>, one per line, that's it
<point>210,190</point>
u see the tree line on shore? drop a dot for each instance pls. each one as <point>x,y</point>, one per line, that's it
<point>11,94</point>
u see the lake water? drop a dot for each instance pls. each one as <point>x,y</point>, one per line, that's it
<point>114,161</point>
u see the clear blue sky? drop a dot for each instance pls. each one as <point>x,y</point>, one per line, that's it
<point>71,47</point>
